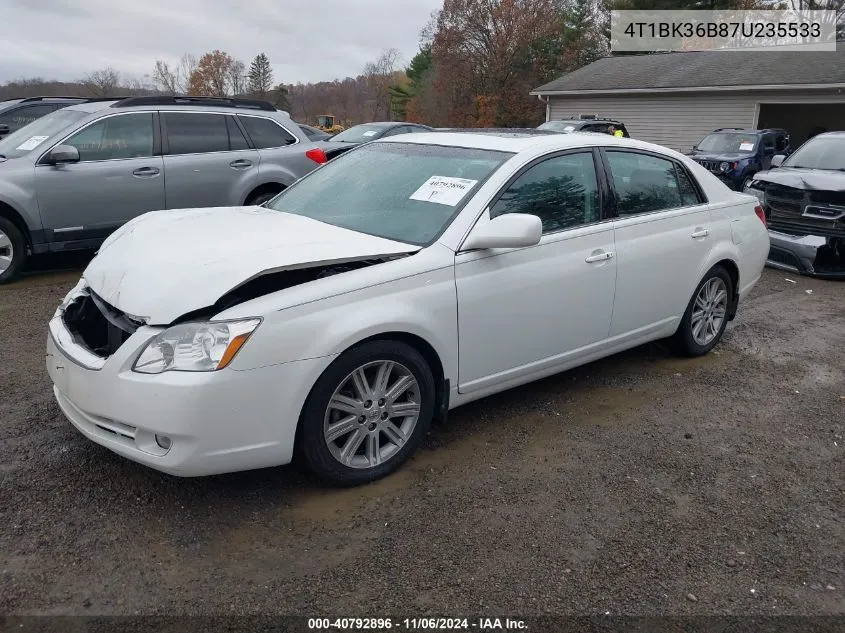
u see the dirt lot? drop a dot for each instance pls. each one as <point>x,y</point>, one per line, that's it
<point>641,484</point>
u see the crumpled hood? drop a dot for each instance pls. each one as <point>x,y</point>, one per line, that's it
<point>807,179</point>
<point>165,264</point>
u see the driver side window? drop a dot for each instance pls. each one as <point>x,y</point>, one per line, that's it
<point>562,191</point>
<point>116,137</point>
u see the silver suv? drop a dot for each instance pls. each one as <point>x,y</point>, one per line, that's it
<point>70,178</point>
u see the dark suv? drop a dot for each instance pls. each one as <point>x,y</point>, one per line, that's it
<point>585,123</point>
<point>735,155</point>
<point>15,113</point>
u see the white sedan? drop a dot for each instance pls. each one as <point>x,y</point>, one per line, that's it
<point>401,280</point>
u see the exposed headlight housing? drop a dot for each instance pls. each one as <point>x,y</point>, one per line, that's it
<point>724,167</point>
<point>204,346</point>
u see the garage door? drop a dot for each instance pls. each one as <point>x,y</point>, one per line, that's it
<point>799,119</point>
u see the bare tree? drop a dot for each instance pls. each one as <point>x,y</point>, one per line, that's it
<point>238,78</point>
<point>379,76</point>
<point>175,79</point>
<point>102,83</point>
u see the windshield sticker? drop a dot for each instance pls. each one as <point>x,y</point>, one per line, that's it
<point>369,133</point>
<point>569,128</point>
<point>443,190</point>
<point>746,146</point>
<point>31,143</point>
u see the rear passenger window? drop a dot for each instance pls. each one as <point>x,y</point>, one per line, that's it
<point>562,191</point>
<point>643,183</point>
<point>196,133</point>
<point>689,194</point>
<point>266,133</point>
<point>236,137</point>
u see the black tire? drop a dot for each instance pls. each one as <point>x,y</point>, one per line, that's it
<point>745,182</point>
<point>312,447</point>
<point>260,198</point>
<point>683,341</point>
<point>17,246</point>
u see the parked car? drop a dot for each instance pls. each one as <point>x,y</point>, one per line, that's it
<point>364,133</point>
<point>313,133</point>
<point>804,199</point>
<point>498,131</point>
<point>70,178</point>
<point>734,155</point>
<point>394,283</point>
<point>16,113</point>
<point>589,123</point>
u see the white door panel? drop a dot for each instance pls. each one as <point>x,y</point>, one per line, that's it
<point>659,260</point>
<point>520,308</point>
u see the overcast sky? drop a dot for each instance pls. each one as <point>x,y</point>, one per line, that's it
<point>306,40</point>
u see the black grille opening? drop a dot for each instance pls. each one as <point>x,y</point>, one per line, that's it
<point>97,326</point>
<point>784,257</point>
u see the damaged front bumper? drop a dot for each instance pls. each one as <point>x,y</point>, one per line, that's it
<point>811,255</point>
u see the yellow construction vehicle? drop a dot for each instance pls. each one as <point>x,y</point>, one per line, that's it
<point>327,124</point>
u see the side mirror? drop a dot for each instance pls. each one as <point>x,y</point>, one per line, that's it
<point>777,160</point>
<point>511,230</point>
<point>61,154</point>
<point>4,129</point>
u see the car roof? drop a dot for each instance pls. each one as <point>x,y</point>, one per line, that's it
<point>516,143</point>
<point>584,121</point>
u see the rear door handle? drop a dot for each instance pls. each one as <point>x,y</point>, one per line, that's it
<point>146,172</point>
<point>240,164</point>
<point>700,233</point>
<point>599,257</point>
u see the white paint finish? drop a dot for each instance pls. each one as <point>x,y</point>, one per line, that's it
<point>205,414</point>
<point>679,120</point>
<point>510,316</point>
<point>168,263</point>
<point>658,264</point>
<point>520,308</point>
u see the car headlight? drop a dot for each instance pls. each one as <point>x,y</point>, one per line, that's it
<point>724,167</point>
<point>205,346</point>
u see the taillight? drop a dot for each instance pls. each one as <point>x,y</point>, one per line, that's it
<point>317,155</point>
<point>761,214</point>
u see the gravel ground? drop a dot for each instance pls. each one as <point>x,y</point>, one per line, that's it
<point>640,484</point>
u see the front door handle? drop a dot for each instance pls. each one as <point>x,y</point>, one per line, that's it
<point>699,233</point>
<point>599,257</point>
<point>146,172</point>
<point>240,164</point>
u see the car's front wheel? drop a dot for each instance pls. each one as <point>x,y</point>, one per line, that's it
<point>367,413</point>
<point>706,317</point>
<point>12,250</point>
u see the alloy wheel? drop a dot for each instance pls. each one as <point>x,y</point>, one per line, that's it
<point>7,252</point>
<point>372,414</point>
<point>709,311</point>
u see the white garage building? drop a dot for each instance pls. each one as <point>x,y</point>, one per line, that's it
<point>674,99</point>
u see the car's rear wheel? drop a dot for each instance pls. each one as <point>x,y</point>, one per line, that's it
<point>260,198</point>
<point>367,413</point>
<point>12,250</point>
<point>706,317</point>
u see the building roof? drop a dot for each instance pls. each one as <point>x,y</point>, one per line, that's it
<point>718,70</point>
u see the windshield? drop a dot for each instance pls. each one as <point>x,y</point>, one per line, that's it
<point>558,126</point>
<point>728,143</point>
<point>400,191</point>
<point>821,152</point>
<point>38,133</point>
<point>359,134</point>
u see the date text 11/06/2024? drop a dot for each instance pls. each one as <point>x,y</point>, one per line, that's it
<point>416,624</point>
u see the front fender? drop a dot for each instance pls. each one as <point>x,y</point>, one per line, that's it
<point>424,305</point>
